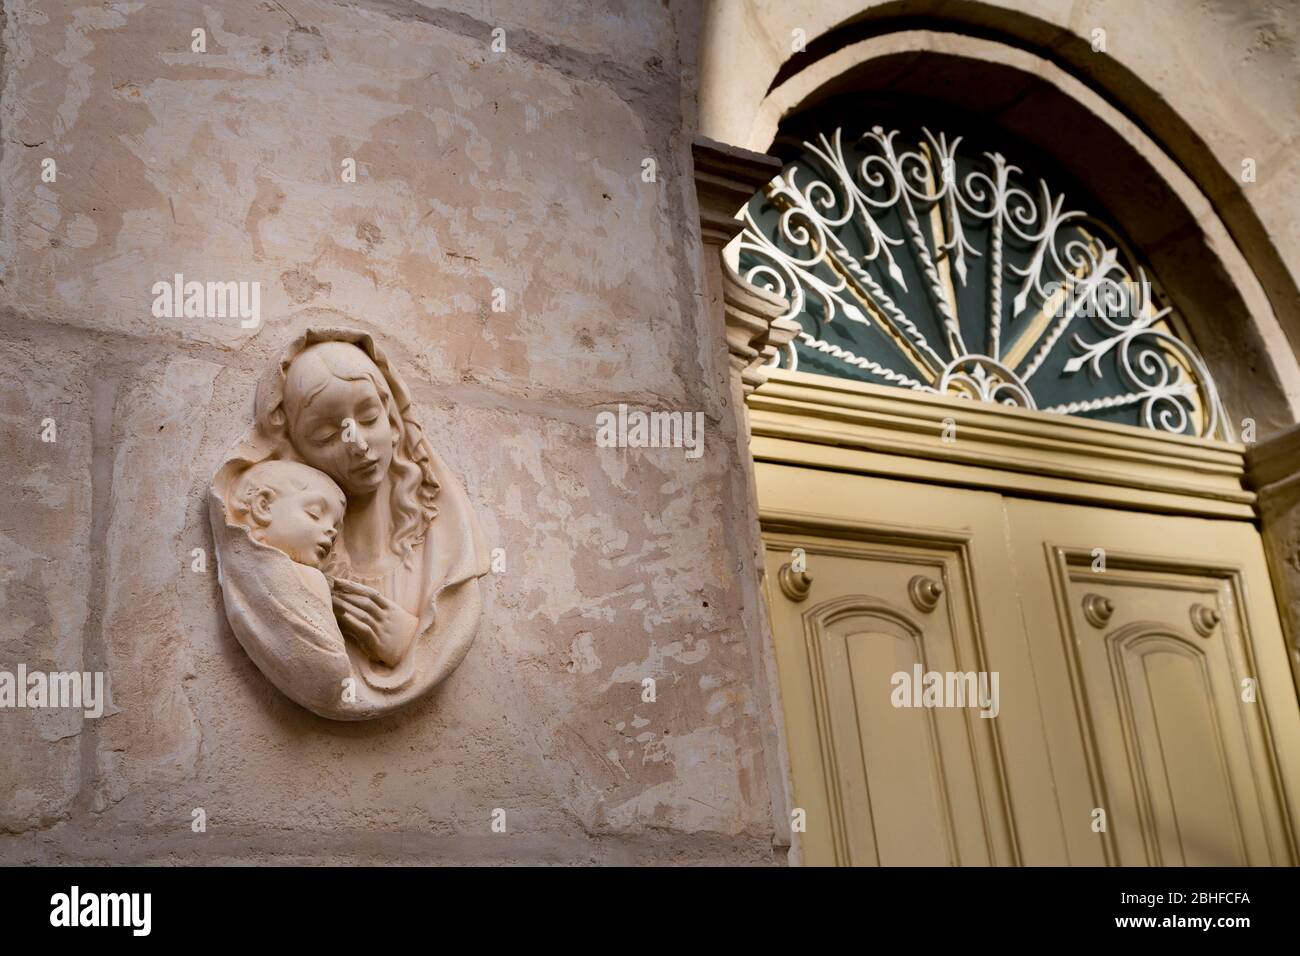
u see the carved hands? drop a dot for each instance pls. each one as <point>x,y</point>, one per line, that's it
<point>379,626</point>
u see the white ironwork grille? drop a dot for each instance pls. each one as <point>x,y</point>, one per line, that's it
<point>910,264</point>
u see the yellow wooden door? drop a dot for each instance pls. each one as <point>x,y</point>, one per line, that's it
<point>1168,696</point>
<point>1123,734</point>
<point>902,576</point>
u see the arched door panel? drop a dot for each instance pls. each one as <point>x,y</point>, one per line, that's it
<point>865,613</point>
<point>1169,695</point>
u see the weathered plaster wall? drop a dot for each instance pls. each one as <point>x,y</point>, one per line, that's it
<point>476,170</point>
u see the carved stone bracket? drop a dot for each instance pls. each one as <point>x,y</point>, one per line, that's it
<point>726,178</point>
<point>755,329</point>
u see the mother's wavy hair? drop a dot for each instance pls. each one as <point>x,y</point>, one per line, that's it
<point>353,357</point>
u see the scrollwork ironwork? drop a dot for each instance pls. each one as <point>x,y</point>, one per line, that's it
<point>884,234</point>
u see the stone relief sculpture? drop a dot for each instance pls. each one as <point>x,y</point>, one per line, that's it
<point>348,555</point>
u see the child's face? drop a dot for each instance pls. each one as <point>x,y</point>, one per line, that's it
<point>304,524</point>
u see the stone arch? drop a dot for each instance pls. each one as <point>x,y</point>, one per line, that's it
<point>1172,197</point>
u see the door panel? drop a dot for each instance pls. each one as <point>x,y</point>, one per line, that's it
<point>1121,641</point>
<point>903,781</point>
<point>882,784</point>
<point>1143,629</point>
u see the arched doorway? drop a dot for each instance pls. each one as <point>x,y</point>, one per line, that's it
<point>1005,636</point>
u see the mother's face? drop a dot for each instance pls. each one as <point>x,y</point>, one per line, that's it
<point>337,419</point>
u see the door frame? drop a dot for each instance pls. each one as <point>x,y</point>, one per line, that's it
<point>816,421</point>
<point>831,424</point>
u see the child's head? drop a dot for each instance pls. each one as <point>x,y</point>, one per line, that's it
<point>292,507</point>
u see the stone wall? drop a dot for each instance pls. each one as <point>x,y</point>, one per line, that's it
<point>477,170</point>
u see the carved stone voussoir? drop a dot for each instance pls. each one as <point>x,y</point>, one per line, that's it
<point>348,554</point>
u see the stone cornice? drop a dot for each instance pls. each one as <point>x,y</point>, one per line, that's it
<point>726,177</point>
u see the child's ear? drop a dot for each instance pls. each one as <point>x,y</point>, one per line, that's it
<point>259,506</point>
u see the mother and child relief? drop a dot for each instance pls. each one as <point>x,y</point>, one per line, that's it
<point>349,555</point>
